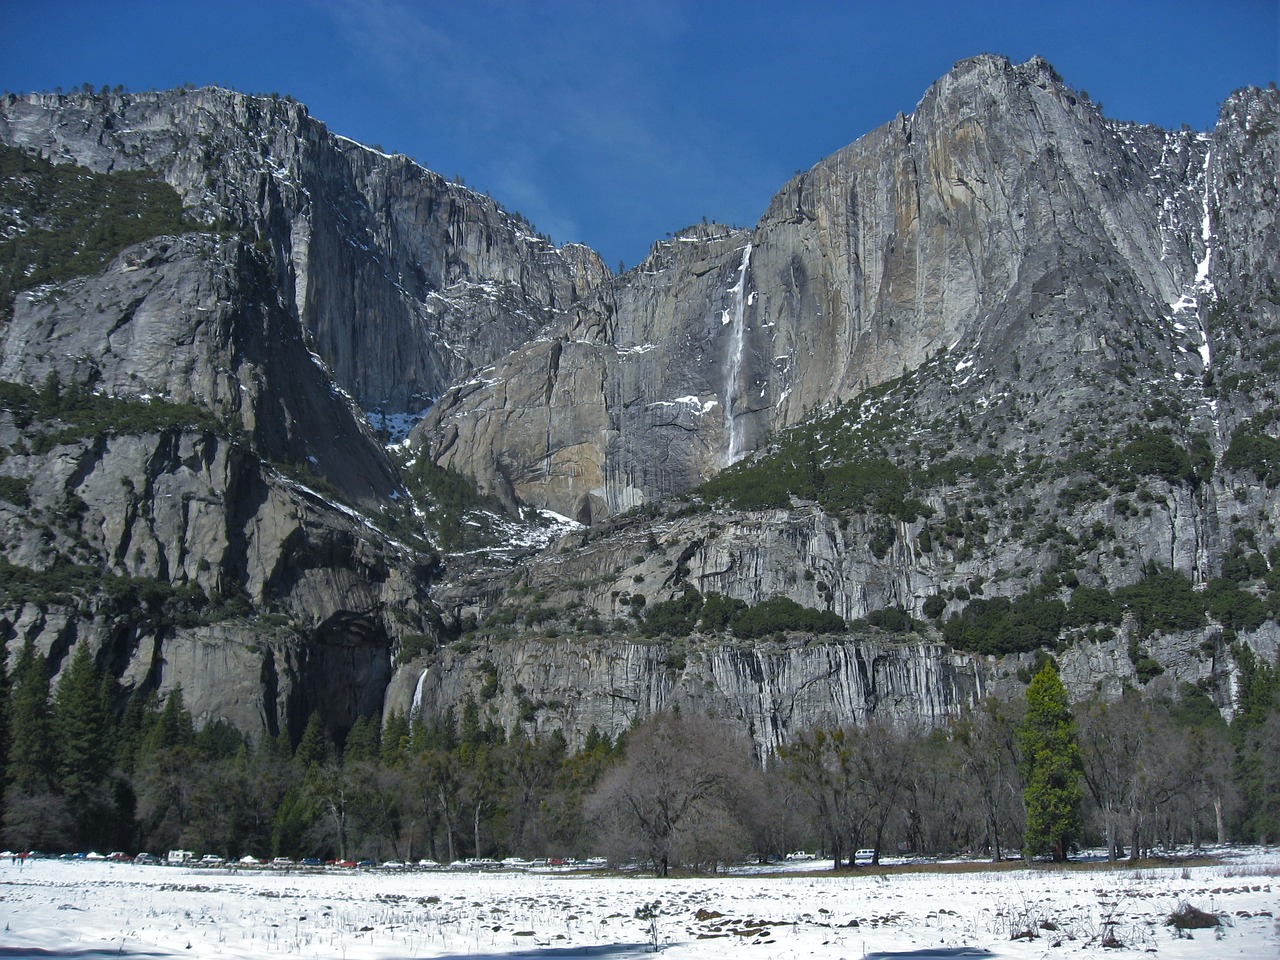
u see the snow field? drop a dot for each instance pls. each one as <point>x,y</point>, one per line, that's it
<point>93,909</point>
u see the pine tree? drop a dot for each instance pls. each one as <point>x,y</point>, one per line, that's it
<point>363,742</point>
<point>394,740</point>
<point>313,748</point>
<point>4,717</point>
<point>34,814</point>
<point>130,732</point>
<point>80,724</point>
<point>173,727</point>
<point>292,822</point>
<point>1052,768</point>
<point>83,760</point>
<point>30,763</point>
<point>1252,730</point>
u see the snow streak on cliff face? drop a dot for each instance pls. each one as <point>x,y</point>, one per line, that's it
<point>1198,297</point>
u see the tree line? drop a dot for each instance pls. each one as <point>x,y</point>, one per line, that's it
<point>1030,777</point>
<point>1036,777</point>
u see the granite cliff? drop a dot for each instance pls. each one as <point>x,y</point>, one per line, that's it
<point>403,281</point>
<point>991,360</point>
<point>1006,219</point>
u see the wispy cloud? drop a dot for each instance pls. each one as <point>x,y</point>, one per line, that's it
<point>544,94</point>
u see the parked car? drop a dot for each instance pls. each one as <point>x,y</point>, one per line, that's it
<point>119,856</point>
<point>211,860</point>
<point>282,862</point>
<point>312,862</point>
<point>865,855</point>
<point>146,858</point>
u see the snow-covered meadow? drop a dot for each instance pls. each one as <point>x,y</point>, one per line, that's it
<point>93,910</point>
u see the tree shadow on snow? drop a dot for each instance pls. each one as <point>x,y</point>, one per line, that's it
<point>77,953</point>
<point>929,953</point>
<point>607,951</point>
<point>599,951</point>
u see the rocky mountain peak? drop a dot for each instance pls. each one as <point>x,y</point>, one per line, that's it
<point>984,223</point>
<point>436,279</point>
<point>981,384</point>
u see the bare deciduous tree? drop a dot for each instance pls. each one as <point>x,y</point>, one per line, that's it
<point>988,756</point>
<point>671,800</point>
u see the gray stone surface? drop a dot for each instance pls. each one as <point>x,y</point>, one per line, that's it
<point>989,222</point>
<point>1040,278</point>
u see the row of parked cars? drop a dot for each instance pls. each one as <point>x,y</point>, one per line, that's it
<point>187,858</point>
<point>510,863</point>
<point>41,855</point>
<point>470,863</point>
<point>865,855</point>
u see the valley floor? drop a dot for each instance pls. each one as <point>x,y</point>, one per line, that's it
<point>92,910</point>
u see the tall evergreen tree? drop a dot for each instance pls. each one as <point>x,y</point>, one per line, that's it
<point>173,727</point>
<point>80,725</point>
<point>1052,768</point>
<point>314,748</point>
<point>4,719</point>
<point>394,739</point>
<point>30,763</point>
<point>83,760</point>
<point>34,814</point>
<point>162,776</point>
<point>1252,729</point>
<point>363,742</point>
<point>130,732</point>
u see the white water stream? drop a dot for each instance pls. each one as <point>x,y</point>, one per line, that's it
<point>737,344</point>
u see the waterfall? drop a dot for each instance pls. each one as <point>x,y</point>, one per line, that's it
<point>737,344</point>
<point>416,709</point>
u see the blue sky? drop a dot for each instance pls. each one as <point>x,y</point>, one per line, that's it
<point>614,123</point>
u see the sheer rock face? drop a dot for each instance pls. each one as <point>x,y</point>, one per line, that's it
<point>196,320</point>
<point>991,220</point>
<point>776,688</point>
<point>404,282</point>
<point>196,511</point>
<point>771,691</point>
<point>1004,226</point>
<point>334,272</point>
